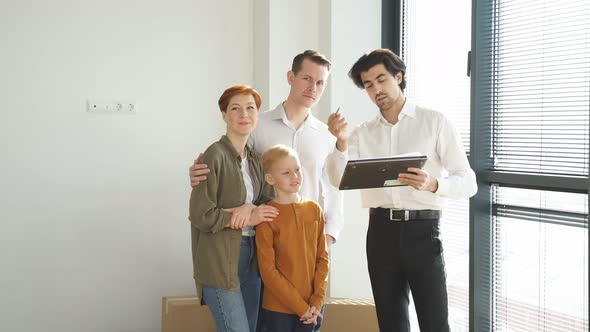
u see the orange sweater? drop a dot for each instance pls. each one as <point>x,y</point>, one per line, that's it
<point>293,258</point>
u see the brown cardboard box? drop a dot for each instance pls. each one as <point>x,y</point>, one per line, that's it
<point>350,315</point>
<point>185,314</point>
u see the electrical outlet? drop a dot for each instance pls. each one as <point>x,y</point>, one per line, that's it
<point>113,107</point>
<point>129,107</point>
<point>94,106</point>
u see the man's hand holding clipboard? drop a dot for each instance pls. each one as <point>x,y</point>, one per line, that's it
<point>419,179</point>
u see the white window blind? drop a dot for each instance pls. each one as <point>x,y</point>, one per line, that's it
<point>540,261</point>
<point>542,93</point>
<point>541,113</point>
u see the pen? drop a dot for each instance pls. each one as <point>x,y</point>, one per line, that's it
<point>338,110</point>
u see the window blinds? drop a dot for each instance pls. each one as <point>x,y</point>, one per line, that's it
<point>542,86</point>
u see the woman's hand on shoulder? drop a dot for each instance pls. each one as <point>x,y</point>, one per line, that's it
<point>263,213</point>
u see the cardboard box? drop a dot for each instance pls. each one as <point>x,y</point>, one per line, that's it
<point>350,315</point>
<point>185,314</point>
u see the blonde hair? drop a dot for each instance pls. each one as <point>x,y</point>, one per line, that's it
<point>275,153</point>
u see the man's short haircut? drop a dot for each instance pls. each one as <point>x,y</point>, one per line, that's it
<point>392,62</point>
<point>313,56</point>
<point>235,90</point>
<point>274,154</point>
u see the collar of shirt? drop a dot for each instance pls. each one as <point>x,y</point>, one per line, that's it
<point>230,147</point>
<point>279,113</point>
<point>408,109</point>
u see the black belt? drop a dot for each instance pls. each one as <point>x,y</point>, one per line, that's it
<point>405,215</point>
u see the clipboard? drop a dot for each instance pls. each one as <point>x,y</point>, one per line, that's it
<point>378,172</point>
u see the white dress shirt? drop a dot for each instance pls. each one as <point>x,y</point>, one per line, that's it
<point>313,142</point>
<point>418,130</point>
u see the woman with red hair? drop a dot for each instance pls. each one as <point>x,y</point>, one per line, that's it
<point>223,213</point>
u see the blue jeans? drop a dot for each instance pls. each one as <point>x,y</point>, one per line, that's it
<point>237,311</point>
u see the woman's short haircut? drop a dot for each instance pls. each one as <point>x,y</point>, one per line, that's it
<point>392,62</point>
<point>234,90</point>
<point>274,154</point>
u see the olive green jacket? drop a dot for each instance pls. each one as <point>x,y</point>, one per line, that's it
<point>216,248</point>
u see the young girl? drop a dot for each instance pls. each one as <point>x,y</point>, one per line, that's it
<point>292,253</point>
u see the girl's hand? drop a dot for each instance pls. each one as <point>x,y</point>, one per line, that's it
<point>311,316</point>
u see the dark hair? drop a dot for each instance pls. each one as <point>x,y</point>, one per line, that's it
<point>392,62</point>
<point>235,90</point>
<point>313,56</point>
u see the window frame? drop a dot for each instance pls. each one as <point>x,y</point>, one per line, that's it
<point>482,210</point>
<point>482,103</point>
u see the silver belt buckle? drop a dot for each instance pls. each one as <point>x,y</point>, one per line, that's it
<point>406,215</point>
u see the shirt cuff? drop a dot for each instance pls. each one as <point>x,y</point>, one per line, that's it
<point>221,226</point>
<point>316,302</point>
<point>339,153</point>
<point>443,187</point>
<point>427,197</point>
<point>333,231</point>
<point>301,309</point>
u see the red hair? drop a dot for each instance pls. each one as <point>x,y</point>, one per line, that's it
<point>234,90</point>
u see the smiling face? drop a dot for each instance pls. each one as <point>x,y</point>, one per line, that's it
<point>308,84</point>
<point>285,175</point>
<point>241,115</point>
<point>382,87</point>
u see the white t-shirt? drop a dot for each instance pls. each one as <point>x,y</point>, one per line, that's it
<point>249,230</point>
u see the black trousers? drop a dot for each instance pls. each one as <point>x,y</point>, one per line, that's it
<point>260,324</point>
<point>404,256</point>
<point>279,322</point>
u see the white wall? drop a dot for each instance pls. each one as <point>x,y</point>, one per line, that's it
<point>283,29</point>
<point>356,29</point>
<point>93,215</point>
<point>94,207</point>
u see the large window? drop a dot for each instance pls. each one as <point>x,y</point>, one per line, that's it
<point>531,115</point>
<point>437,78</point>
<point>540,260</point>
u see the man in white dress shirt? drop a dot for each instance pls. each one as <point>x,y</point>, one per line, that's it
<point>404,251</point>
<point>291,123</point>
